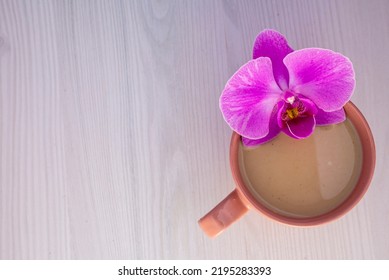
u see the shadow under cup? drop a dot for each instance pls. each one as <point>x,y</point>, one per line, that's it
<point>239,201</point>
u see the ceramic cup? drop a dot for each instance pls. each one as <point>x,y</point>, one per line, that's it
<point>240,200</point>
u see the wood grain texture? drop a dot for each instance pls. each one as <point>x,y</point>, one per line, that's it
<point>112,144</point>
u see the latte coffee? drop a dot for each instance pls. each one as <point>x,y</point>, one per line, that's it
<point>304,178</point>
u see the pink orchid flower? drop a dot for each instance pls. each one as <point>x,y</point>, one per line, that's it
<point>285,90</point>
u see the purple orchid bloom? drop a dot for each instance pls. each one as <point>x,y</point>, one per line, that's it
<point>285,90</point>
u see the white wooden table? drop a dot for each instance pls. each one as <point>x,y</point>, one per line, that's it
<point>112,144</point>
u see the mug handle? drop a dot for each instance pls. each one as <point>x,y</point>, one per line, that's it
<point>228,211</point>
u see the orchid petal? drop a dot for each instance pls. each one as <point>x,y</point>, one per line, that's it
<point>327,118</point>
<point>249,97</point>
<point>281,108</point>
<point>310,107</point>
<point>270,43</point>
<point>274,130</point>
<point>325,77</point>
<point>300,128</point>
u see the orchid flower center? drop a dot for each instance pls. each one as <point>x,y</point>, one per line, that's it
<point>292,113</point>
<point>294,108</point>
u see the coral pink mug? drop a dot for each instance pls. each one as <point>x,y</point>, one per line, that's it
<point>239,201</point>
